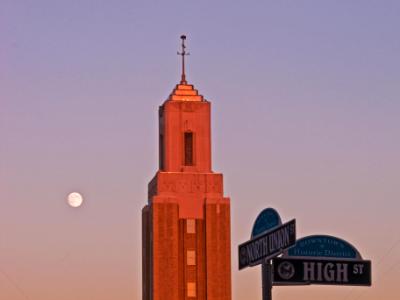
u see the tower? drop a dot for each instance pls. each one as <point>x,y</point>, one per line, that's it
<point>186,223</point>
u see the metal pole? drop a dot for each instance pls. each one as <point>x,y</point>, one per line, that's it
<point>266,270</point>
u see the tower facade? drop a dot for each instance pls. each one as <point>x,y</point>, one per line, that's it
<point>186,223</point>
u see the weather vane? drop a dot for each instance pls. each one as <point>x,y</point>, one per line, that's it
<point>183,54</point>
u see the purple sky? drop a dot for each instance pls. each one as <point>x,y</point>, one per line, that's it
<point>306,119</point>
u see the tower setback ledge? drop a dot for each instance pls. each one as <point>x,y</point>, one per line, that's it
<point>185,92</point>
<point>171,183</point>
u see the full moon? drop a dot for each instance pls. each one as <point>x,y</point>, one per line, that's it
<point>75,199</point>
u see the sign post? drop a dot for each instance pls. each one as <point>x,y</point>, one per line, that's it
<point>266,279</point>
<point>269,238</point>
<point>266,220</point>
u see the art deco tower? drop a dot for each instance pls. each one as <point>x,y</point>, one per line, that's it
<point>186,223</point>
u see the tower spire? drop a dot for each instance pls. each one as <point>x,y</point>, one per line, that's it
<point>183,53</point>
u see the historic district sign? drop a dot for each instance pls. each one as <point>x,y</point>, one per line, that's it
<point>267,245</point>
<point>323,246</point>
<point>296,271</point>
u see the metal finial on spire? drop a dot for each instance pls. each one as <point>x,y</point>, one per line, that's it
<point>183,54</point>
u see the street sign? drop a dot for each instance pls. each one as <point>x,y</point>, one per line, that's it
<point>267,245</point>
<point>303,271</point>
<point>323,246</point>
<point>266,220</point>
<point>268,239</point>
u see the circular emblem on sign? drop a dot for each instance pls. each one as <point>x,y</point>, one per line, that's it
<point>286,270</point>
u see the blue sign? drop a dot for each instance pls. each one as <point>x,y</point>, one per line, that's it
<point>323,246</point>
<point>267,245</point>
<point>266,220</point>
<point>303,271</point>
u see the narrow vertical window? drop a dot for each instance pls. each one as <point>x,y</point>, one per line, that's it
<point>188,148</point>
<point>191,257</point>
<point>161,154</point>
<point>161,147</point>
<point>191,289</point>
<point>190,226</point>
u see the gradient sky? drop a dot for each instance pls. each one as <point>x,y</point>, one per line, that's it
<point>306,119</point>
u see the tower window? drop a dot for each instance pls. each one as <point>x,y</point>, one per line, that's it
<point>190,226</point>
<point>161,154</point>
<point>191,257</point>
<point>161,137</point>
<point>188,148</point>
<point>191,289</point>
